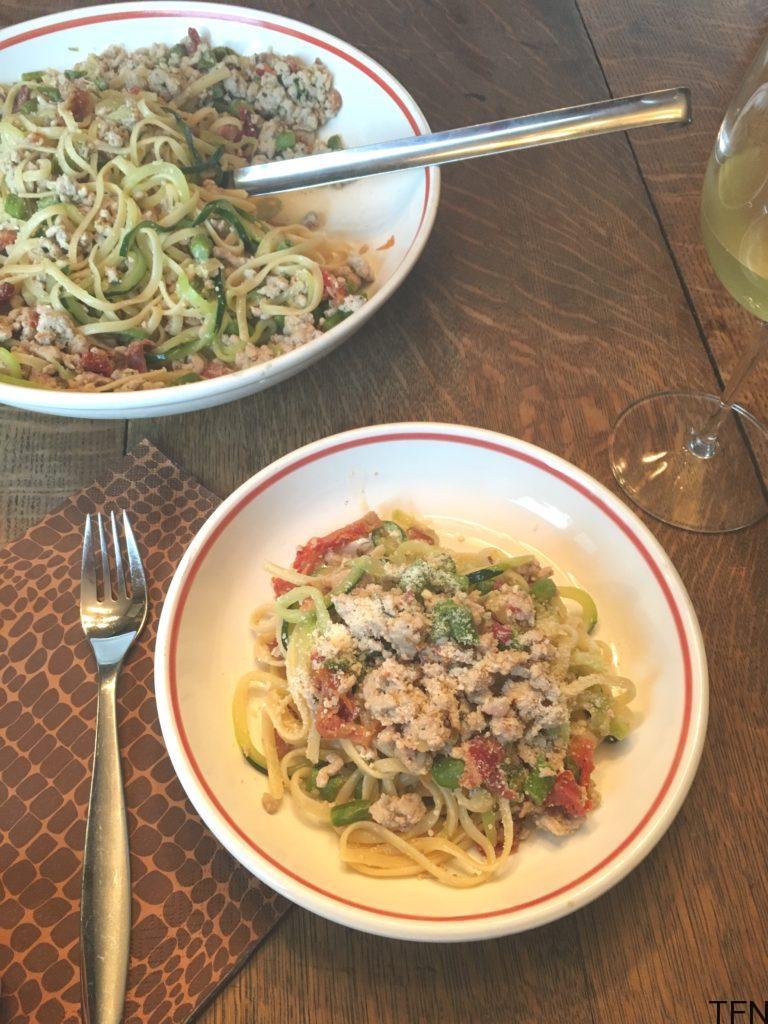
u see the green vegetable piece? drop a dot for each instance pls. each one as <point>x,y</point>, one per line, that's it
<point>270,328</point>
<point>537,787</point>
<point>186,378</point>
<point>242,734</point>
<point>543,590</point>
<point>77,310</point>
<point>337,665</point>
<point>6,378</point>
<point>388,531</point>
<point>330,790</point>
<point>220,52</point>
<point>189,138</point>
<point>71,75</point>
<point>178,50</point>
<point>334,318</point>
<point>516,776</point>
<point>207,61</point>
<point>210,163</point>
<point>588,606</point>
<point>285,633</point>
<point>16,206</point>
<point>127,241</point>
<point>9,364</point>
<point>156,360</point>
<point>488,818</point>
<point>47,201</point>
<point>483,575</point>
<point>239,107</point>
<point>347,814</point>
<point>224,348</point>
<point>618,730</point>
<point>359,568</point>
<point>32,76</point>
<point>201,248</point>
<point>50,92</point>
<point>451,621</point>
<point>137,268</point>
<point>101,84</point>
<point>284,140</point>
<point>131,334</point>
<point>334,142</point>
<point>29,107</point>
<point>221,209</point>
<point>446,771</point>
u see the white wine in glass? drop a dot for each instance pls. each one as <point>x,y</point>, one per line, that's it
<point>696,460</point>
<point>734,213</point>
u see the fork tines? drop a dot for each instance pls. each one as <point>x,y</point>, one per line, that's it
<point>95,586</point>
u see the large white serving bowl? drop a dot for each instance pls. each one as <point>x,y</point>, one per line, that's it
<point>395,211</point>
<point>484,487</point>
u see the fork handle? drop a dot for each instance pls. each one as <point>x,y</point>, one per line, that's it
<point>105,914</point>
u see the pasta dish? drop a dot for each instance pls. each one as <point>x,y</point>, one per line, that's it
<point>431,706</point>
<point>127,261</point>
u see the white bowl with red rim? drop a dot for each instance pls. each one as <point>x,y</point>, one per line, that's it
<point>482,487</point>
<point>391,213</point>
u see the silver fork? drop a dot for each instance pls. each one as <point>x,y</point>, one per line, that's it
<point>112,624</point>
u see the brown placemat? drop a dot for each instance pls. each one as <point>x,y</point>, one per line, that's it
<point>197,914</point>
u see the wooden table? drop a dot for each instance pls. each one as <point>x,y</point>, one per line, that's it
<point>559,285</point>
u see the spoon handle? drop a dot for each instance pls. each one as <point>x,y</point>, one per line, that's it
<point>667,106</point>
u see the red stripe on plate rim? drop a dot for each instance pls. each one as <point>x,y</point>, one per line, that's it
<point>269,481</point>
<point>213,15</point>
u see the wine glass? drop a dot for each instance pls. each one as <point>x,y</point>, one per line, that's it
<point>697,460</point>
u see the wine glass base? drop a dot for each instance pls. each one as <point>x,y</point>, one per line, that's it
<point>657,465</point>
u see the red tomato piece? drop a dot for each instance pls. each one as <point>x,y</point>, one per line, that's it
<point>336,715</point>
<point>568,795</point>
<point>482,766</point>
<point>581,751</point>
<point>81,104</point>
<point>98,361</point>
<point>22,96</point>
<point>502,633</point>
<point>310,555</point>
<point>250,128</point>
<point>135,357</point>
<point>335,288</point>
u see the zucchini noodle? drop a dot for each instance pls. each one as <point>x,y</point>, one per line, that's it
<point>451,793</point>
<point>126,259</point>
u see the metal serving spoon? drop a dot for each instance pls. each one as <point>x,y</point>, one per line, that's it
<point>667,106</point>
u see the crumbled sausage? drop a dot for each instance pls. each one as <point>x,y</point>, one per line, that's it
<point>398,813</point>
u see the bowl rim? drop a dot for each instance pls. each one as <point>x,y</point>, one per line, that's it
<point>279,367</point>
<point>444,928</point>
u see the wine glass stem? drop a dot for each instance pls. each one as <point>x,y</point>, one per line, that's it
<point>704,442</point>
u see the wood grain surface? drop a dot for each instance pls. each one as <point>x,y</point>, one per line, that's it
<point>709,47</point>
<point>558,285</point>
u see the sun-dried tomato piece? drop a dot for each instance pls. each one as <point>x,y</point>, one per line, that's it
<point>482,766</point>
<point>96,360</point>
